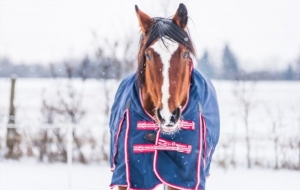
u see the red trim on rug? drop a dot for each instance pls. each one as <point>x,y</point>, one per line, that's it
<point>198,163</point>
<point>149,125</point>
<point>162,145</point>
<point>116,141</point>
<point>204,140</point>
<point>126,148</point>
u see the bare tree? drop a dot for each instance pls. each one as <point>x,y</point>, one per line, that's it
<point>299,134</point>
<point>128,59</point>
<point>1,116</point>
<point>296,110</point>
<point>72,107</point>
<point>275,116</point>
<point>223,155</point>
<point>50,112</point>
<point>233,143</point>
<point>67,105</point>
<point>243,92</point>
<point>114,59</point>
<point>106,65</point>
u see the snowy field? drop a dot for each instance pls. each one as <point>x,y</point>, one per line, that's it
<point>271,102</point>
<point>281,96</point>
<point>35,176</point>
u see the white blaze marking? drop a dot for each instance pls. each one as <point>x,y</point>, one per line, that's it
<point>165,56</point>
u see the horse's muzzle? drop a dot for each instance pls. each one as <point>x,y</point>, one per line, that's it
<point>169,125</point>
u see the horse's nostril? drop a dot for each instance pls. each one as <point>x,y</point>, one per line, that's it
<point>175,115</point>
<point>161,119</point>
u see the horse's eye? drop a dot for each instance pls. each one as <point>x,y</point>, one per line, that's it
<point>148,56</point>
<point>184,55</point>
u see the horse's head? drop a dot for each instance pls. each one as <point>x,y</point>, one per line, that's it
<point>164,66</point>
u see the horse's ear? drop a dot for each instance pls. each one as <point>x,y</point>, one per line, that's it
<point>145,21</point>
<point>181,16</point>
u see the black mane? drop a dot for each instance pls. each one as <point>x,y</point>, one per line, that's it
<point>166,28</point>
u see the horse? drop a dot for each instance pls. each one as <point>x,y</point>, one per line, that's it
<point>164,122</point>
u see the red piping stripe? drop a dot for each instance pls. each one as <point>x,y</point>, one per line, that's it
<point>200,151</point>
<point>113,186</point>
<point>149,125</point>
<point>198,163</point>
<point>126,148</point>
<point>162,145</point>
<point>116,141</point>
<point>204,139</point>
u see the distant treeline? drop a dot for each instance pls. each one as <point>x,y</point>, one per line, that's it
<point>231,69</point>
<point>111,67</point>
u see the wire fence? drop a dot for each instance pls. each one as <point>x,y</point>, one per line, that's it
<point>39,142</point>
<point>89,142</point>
<point>70,143</point>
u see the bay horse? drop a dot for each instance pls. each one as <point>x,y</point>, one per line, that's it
<point>164,122</point>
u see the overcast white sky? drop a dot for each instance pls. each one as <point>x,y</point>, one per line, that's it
<point>262,33</point>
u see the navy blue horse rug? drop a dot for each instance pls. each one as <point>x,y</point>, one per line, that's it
<point>142,157</point>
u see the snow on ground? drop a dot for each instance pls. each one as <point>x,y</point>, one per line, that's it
<point>39,176</point>
<point>267,94</point>
<point>275,96</point>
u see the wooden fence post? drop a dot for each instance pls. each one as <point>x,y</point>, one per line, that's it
<point>12,136</point>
